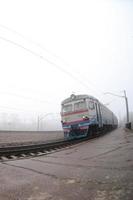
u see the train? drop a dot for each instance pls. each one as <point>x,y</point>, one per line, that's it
<point>84,115</point>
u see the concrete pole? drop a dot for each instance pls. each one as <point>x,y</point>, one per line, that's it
<point>39,118</point>
<point>127,110</point>
<point>128,124</point>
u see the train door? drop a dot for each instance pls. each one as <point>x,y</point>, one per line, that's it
<point>98,114</point>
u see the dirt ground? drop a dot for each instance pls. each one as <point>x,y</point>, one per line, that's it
<point>12,138</point>
<point>98,169</point>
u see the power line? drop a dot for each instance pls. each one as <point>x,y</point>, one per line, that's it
<point>31,41</point>
<point>21,110</point>
<point>16,109</point>
<point>40,46</point>
<point>46,60</point>
<point>24,97</point>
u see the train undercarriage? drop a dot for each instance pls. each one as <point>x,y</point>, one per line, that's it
<point>92,130</point>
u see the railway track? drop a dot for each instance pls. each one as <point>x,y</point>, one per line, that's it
<point>33,150</point>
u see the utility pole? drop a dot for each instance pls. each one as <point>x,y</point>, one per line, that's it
<point>39,118</point>
<point>127,110</point>
<point>128,124</point>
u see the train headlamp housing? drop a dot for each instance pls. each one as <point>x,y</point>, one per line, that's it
<point>85,117</point>
<point>63,121</point>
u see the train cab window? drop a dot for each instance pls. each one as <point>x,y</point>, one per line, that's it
<point>80,105</point>
<point>91,105</point>
<point>67,108</point>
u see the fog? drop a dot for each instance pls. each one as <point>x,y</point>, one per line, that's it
<point>29,123</point>
<point>50,49</point>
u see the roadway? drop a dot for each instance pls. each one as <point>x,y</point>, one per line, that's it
<point>99,169</point>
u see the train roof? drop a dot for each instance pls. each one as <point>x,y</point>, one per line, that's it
<point>74,97</point>
<point>77,97</point>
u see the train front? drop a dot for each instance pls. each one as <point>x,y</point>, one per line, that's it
<point>75,118</point>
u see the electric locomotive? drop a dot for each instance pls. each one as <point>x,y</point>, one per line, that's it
<point>84,115</point>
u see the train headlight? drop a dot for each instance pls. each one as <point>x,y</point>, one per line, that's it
<point>85,117</point>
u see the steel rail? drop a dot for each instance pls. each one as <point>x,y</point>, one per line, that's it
<point>12,152</point>
<point>18,151</point>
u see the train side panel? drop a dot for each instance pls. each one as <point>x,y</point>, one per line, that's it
<point>109,120</point>
<point>83,115</point>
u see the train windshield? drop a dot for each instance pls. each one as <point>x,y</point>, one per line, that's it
<point>80,105</point>
<point>67,108</point>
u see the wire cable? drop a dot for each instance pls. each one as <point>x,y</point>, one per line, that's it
<point>32,42</point>
<point>46,60</point>
<point>40,46</point>
<point>24,97</point>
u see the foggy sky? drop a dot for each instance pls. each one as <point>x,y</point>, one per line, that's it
<point>49,49</point>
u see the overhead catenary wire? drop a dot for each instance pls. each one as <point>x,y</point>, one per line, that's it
<point>17,109</point>
<point>25,97</point>
<point>40,46</point>
<point>46,60</point>
<point>31,41</point>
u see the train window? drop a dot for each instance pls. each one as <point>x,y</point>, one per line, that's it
<point>91,105</point>
<point>67,108</point>
<point>80,105</point>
